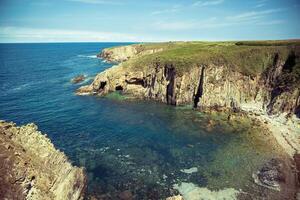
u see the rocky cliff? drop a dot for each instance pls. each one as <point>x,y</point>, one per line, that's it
<point>205,85</point>
<point>31,167</point>
<point>124,53</point>
<point>219,83</point>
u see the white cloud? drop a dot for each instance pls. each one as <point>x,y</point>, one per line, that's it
<point>190,25</point>
<point>260,3</point>
<point>15,34</point>
<point>247,18</point>
<point>174,26</point>
<point>252,15</point>
<point>97,2</point>
<point>208,3</point>
<point>173,9</point>
<point>272,22</point>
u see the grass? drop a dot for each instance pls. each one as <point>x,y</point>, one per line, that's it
<point>248,57</point>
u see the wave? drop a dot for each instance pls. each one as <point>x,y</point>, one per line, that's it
<point>21,87</point>
<point>87,56</point>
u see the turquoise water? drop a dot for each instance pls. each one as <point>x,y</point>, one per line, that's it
<point>130,145</point>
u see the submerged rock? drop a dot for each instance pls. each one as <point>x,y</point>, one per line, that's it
<point>190,170</point>
<point>178,197</point>
<point>270,175</point>
<point>78,79</point>
<point>31,167</point>
<point>190,191</point>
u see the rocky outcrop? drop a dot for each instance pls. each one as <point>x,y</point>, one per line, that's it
<point>124,53</point>
<point>275,91</point>
<point>119,54</point>
<point>202,86</point>
<point>279,175</point>
<point>78,79</point>
<point>31,167</point>
<point>271,175</point>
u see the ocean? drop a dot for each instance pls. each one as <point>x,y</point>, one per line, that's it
<point>142,147</point>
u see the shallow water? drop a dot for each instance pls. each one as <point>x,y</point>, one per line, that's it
<point>144,147</point>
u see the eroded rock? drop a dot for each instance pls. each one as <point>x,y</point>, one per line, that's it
<point>31,167</point>
<point>270,175</point>
<point>124,53</point>
<point>273,92</point>
<point>78,79</point>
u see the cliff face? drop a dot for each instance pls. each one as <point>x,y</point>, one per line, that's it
<point>119,54</point>
<point>206,85</point>
<point>272,91</point>
<point>31,167</point>
<point>124,53</point>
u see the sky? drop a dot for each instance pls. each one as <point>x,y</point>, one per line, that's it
<point>148,20</point>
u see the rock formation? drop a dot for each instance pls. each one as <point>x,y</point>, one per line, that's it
<point>272,92</point>
<point>124,53</point>
<point>271,95</point>
<point>78,79</point>
<point>204,86</point>
<point>271,175</point>
<point>31,167</point>
<point>279,175</point>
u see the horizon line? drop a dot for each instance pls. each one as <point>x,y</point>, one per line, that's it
<point>59,42</point>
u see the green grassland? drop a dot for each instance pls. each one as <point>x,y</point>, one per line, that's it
<point>247,57</point>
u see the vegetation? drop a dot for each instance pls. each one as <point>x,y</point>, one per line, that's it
<point>270,43</point>
<point>249,58</point>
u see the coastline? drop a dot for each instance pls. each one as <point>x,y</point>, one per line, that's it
<point>286,131</point>
<point>284,127</point>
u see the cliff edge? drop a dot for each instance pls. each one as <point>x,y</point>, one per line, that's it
<point>260,77</point>
<point>31,167</point>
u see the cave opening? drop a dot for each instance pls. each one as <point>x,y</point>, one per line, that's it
<point>102,85</point>
<point>119,88</point>
<point>136,81</point>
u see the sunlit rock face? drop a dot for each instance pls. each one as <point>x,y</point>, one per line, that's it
<point>270,95</point>
<point>271,92</point>
<point>203,86</point>
<point>124,53</point>
<point>31,167</point>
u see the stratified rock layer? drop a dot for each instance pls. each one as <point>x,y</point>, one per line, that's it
<point>31,167</point>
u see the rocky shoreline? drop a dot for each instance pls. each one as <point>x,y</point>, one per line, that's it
<point>209,87</point>
<point>263,96</point>
<point>31,167</point>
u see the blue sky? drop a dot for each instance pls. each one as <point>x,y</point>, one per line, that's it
<point>133,20</point>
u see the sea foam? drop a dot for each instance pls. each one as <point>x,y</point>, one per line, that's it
<point>87,56</point>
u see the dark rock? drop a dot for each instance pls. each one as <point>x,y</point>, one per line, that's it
<point>78,79</point>
<point>270,175</point>
<point>297,163</point>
